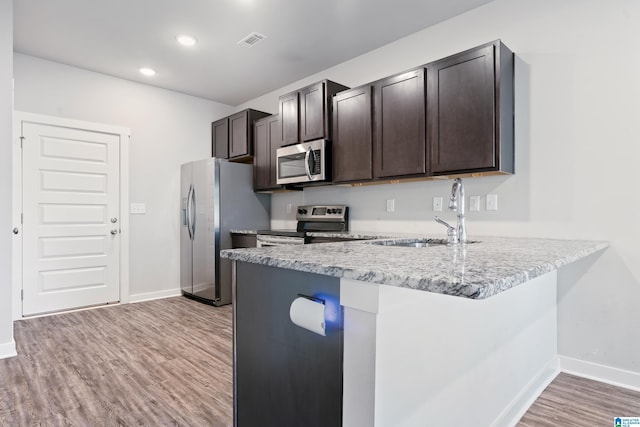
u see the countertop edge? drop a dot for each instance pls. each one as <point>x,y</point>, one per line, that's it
<point>428,283</point>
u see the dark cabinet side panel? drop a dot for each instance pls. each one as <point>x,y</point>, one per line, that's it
<point>312,112</point>
<point>274,143</point>
<point>400,143</point>
<point>352,142</point>
<point>220,138</point>
<point>289,118</point>
<point>285,375</point>
<point>461,112</point>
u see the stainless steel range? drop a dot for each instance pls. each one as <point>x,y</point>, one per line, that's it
<point>318,218</point>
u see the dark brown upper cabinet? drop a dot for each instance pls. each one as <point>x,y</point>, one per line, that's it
<point>220,138</point>
<point>267,141</point>
<point>470,111</point>
<point>352,135</point>
<point>238,127</point>
<point>399,137</point>
<point>305,114</point>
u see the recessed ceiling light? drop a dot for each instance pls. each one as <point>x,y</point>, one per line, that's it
<point>186,40</point>
<point>145,71</point>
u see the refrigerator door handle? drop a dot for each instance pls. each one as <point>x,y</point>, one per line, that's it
<point>194,205</point>
<point>189,212</point>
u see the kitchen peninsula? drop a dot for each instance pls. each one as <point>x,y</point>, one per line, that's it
<point>430,334</point>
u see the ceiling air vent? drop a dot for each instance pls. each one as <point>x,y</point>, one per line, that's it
<point>252,39</point>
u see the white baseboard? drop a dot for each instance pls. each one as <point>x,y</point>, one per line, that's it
<point>602,373</point>
<point>147,296</point>
<point>8,349</point>
<point>521,403</point>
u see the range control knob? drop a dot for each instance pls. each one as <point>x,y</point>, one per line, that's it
<point>299,211</point>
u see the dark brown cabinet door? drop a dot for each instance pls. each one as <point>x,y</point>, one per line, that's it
<point>267,141</point>
<point>470,111</point>
<point>312,112</point>
<point>305,114</point>
<point>400,147</point>
<point>289,118</point>
<point>461,112</point>
<point>352,144</point>
<point>232,137</point>
<point>238,135</point>
<point>220,138</point>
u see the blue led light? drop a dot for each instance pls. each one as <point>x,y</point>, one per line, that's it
<point>332,311</point>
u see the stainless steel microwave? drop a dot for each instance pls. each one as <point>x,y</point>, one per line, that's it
<point>304,162</point>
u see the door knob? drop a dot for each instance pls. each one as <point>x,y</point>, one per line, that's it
<point>114,231</point>
<point>114,220</point>
<point>15,230</point>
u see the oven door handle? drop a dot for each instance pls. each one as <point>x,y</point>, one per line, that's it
<point>274,240</point>
<point>307,169</point>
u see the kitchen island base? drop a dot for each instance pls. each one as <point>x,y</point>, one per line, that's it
<point>420,358</point>
<point>285,375</point>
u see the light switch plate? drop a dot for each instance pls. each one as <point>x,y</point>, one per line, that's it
<point>288,208</point>
<point>437,204</point>
<point>138,208</point>
<point>492,202</point>
<point>474,203</point>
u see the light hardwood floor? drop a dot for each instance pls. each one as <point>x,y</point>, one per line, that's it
<point>156,363</point>
<point>168,362</point>
<point>571,401</point>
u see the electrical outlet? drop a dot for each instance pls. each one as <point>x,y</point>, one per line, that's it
<point>437,204</point>
<point>492,202</point>
<point>474,203</point>
<point>138,208</point>
<point>391,205</point>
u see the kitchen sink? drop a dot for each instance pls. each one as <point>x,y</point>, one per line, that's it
<point>414,243</point>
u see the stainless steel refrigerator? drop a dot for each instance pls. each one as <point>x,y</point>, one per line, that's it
<point>216,197</point>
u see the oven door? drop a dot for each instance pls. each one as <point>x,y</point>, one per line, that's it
<point>306,162</point>
<point>263,240</point>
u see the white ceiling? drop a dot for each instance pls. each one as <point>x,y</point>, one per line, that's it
<point>117,37</point>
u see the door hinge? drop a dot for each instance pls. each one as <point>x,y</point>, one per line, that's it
<point>21,218</point>
<point>21,294</point>
<point>21,141</point>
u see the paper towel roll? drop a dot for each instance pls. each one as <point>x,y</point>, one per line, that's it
<point>308,314</point>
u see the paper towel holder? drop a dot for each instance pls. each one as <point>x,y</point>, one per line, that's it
<point>314,299</point>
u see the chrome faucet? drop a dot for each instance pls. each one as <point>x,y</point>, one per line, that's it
<point>457,203</point>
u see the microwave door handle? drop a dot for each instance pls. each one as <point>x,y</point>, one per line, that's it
<point>306,163</point>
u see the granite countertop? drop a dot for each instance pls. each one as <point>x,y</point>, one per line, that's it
<point>476,270</point>
<point>243,231</point>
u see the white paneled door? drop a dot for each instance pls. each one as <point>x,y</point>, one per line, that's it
<point>71,223</point>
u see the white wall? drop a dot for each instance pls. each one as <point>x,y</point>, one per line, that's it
<point>6,106</point>
<point>167,128</point>
<point>577,151</point>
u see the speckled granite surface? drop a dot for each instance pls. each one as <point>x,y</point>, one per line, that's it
<point>243,232</point>
<point>477,271</point>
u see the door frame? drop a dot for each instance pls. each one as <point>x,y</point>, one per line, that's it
<point>125,138</point>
